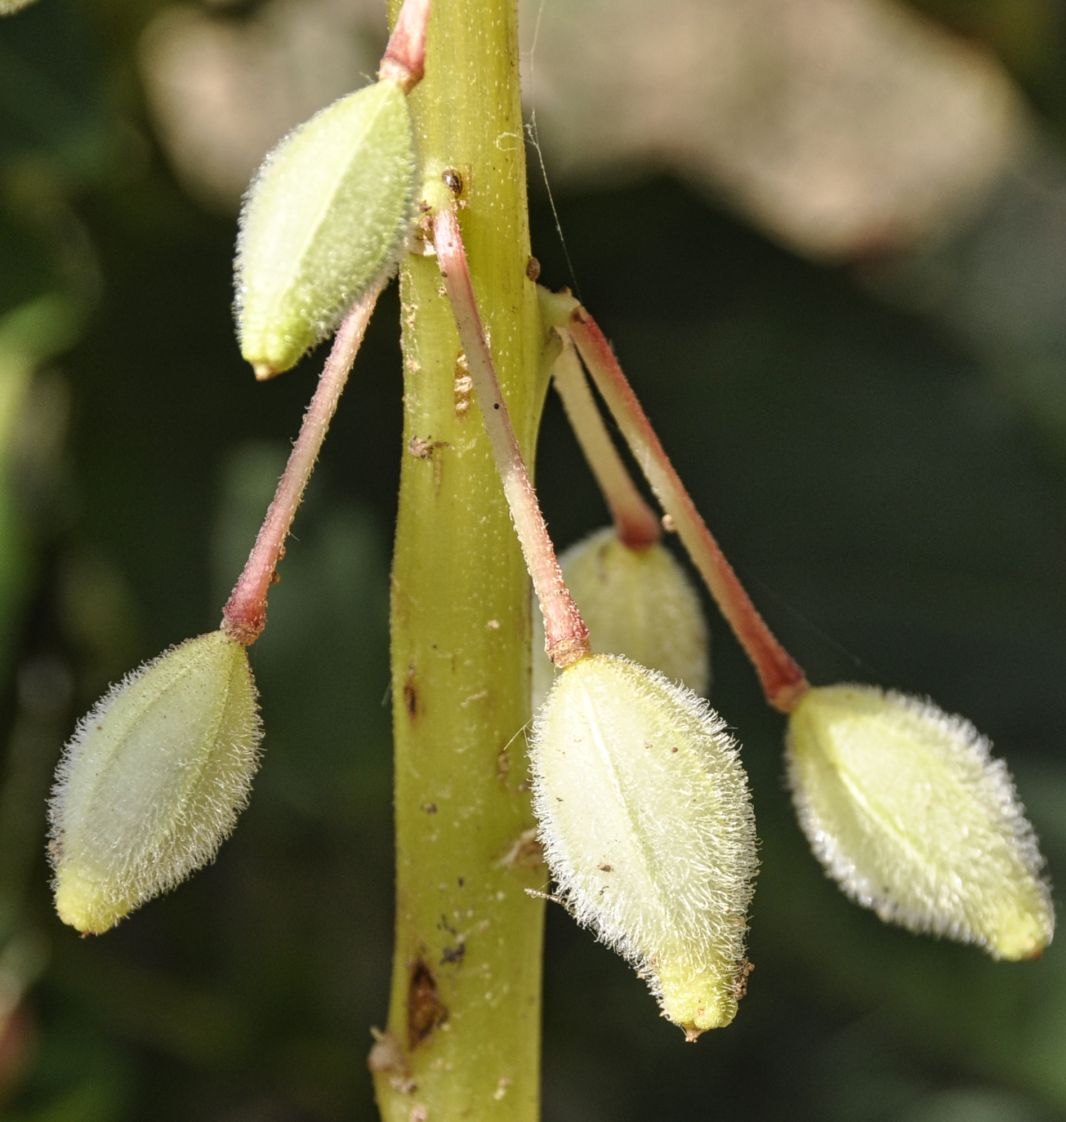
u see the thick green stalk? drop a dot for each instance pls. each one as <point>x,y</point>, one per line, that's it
<point>464,1018</point>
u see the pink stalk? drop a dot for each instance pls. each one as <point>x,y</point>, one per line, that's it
<point>244,615</point>
<point>635,521</point>
<point>782,679</point>
<point>565,633</point>
<point>405,55</point>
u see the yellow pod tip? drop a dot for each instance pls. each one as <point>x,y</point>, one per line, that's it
<point>82,902</point>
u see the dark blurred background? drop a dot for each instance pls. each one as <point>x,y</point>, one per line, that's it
<point>828,240</point>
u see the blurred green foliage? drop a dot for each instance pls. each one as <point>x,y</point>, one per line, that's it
<point>889,480</point>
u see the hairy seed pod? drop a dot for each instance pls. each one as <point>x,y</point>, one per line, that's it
<point>152,780</point>
<point>909,813</point>
<point>636,602</point>
<point>646,824</point>
<point>325,217</point>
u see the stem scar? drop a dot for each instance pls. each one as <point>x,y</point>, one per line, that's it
<point>425,1010</point>
<point>410,694</point>
<point>524,852</point>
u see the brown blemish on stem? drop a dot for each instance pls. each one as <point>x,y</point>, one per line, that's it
<point>424,448</point>
<point>422,236</point>
<point>410,695</point>
<point>524,853</point>
<point>425,1010</point>
<point>452,956</point>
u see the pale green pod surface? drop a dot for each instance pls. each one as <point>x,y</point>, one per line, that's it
<point>910,814</point>
<point>152,780</point>
<point>9,7</point>
<point>325,217</point>
<point>646,823</point>
<point>636,602</point>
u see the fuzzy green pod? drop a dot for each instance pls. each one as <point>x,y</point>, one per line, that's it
<point>152,780</point>
<point>325,217</point>
<point>636,602</point>
<point>910,814</point>
<point>646,823</point>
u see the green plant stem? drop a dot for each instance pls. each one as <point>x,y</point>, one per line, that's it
<point>463,1033</point>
